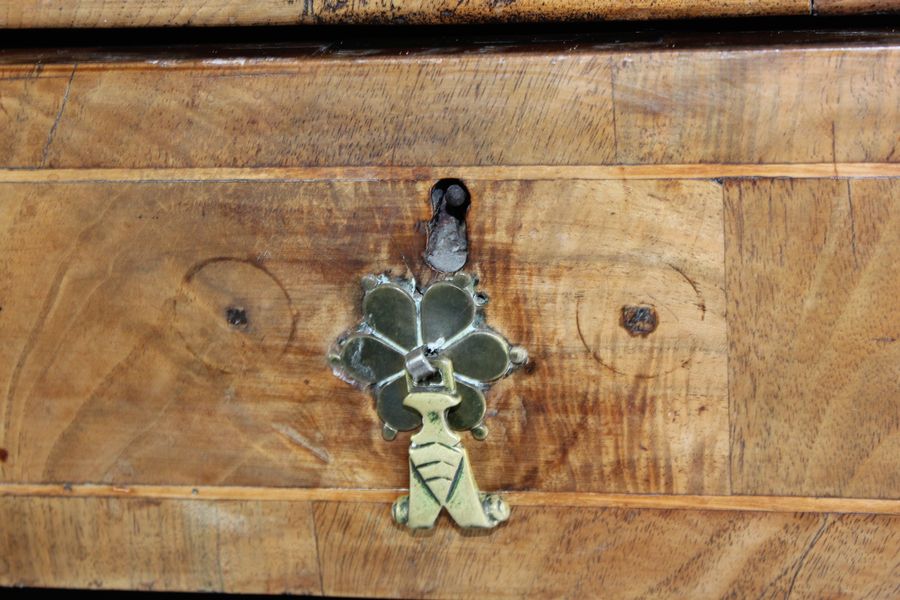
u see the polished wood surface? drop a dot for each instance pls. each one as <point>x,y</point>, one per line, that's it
<point>597,410</point>
<point>168,13</point>
<point>850,7</point>
<point>748,193</point>
<point>29,109</point>
<point>152,544</point>
<point>573,552</point>
<point>352,548</point>
<point>567,105</point>
<point>813,276</point>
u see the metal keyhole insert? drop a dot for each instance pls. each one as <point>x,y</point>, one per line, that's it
<point>447,249</point>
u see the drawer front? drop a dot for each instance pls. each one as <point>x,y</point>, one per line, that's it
<point>749,197</point>
<point>229,13</point>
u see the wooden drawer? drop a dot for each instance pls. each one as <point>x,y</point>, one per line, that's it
<point>228,13</point>
<point>750,194</point>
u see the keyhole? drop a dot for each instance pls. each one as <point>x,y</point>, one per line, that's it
<point>447,249</point>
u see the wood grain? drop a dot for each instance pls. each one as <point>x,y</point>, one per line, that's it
<point>813,278</point>
<point>30,107</point>
<point>119,366</point>
<point>772,105</point>
<point>145,443</point>
<point>572,552</point>
<point>353,548</point>
<point>554,105</point>
<point>167,13</point>
<point>850,7</point>
<point>149,544</point>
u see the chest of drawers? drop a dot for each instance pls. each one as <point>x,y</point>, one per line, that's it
<point>183,238</point>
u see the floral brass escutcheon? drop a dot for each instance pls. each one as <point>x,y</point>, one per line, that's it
<point>429,354</point>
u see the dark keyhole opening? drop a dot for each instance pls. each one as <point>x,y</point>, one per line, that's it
<point>447,249</point>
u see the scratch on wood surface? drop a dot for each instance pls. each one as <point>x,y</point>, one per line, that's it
<point>701,304</point>
<point>852,224</point>
<point>802,560</point>
<point>294,436</point>
<point>50,302</point>
<point>584,343</point>
<point>315,532</point>
<point>613,70</point>
<point>220,575</point>
<point>62,107</point>
<point>834,148</point>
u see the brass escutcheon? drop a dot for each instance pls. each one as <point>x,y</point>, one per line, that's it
<point>428,356</point>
